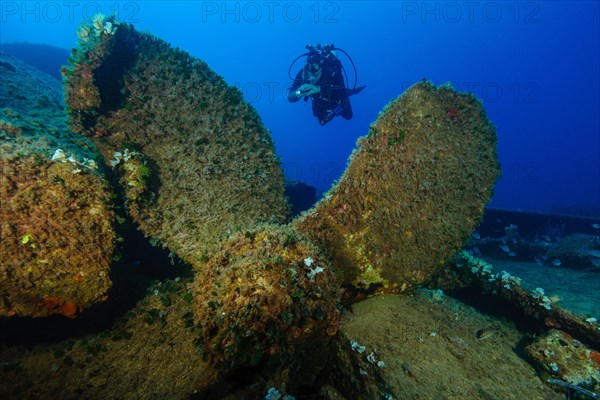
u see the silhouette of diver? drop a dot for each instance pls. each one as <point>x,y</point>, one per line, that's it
<point>322,80</point>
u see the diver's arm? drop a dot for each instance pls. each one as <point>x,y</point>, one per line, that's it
<point>303,91</point>
<point>294,93</point>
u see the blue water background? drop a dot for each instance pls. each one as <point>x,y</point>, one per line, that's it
<point>535,65</point>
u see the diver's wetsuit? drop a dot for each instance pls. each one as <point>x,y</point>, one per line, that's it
<point>332,99</point>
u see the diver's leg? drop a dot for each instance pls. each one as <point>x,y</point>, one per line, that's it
<point>346,109</point>
<point>320,111</point>
<point>326,118</point>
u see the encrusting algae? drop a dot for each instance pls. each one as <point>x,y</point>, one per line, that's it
<point>413,191</point>
<point>264,299</point>
<point>56,215</point>
<point>197,171</point>
<point>208,165</point>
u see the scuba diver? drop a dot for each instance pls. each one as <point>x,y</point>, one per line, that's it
<point>322,81</point>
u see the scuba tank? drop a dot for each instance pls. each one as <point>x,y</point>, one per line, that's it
<point>318,53</point>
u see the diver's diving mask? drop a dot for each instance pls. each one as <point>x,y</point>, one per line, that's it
<point>313,72</point>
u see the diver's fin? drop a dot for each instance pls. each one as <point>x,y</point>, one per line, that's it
<point>351,92</point>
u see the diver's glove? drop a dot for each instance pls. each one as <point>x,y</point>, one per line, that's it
<point>307,89</point>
